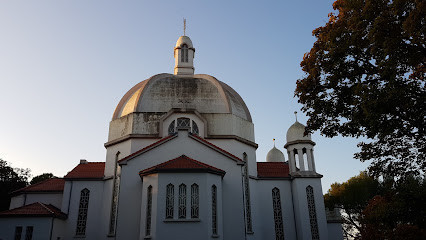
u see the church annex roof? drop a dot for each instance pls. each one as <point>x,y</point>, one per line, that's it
<point>182,164</point>
<point>87,171</point>
<point>48,185</point>
<point>36,209</point>
<point>272,170</point>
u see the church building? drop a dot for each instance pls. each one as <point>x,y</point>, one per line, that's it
<point>180,164</point>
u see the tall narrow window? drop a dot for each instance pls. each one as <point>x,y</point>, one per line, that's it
<point>312,213</point>
<point>278,216</point>
<point>305,159</point>
<point>296,159</point>
<point>249,227</point>
<point>171,129</point>
<point>184,57</point>
<point>194,201</point>
<point>18,233</point>
<point>82,212</point>
<point>195,128</point>
<point>214,210</point>
<point>115,191</point>
<point>29,233</point>
<point>148,211</point>
<point>170,197</point>
<point>182,201</point>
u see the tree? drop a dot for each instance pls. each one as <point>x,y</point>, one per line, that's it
<point>352,197</point>
<point>41,177</point>
<point>365,77</point>
<point>11,179</point>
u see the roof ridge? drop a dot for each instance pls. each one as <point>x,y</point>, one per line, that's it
<point>44,206</point>
<point>35,184</point>
<point>196,137</point>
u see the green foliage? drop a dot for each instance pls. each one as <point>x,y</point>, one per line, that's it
<point>41,177</point>
<point>365,77</point>
<point>11,179</point>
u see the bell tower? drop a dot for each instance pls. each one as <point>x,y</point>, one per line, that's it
<point>184,56</point>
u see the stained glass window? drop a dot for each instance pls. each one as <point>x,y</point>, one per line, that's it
<point>312,213</point>
<point>148,211</point>
<point>82,212</point>
<point>278,216</point>
<point>171,129</point>
<point>170,196</point>
<point>214,210</point>
<point>182,201</point>
<point>194,201</point>
<point>183,123</point>
<point>195,128</point>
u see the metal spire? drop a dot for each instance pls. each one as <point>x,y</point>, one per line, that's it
<point>295,114</point>
<point>184,27</point>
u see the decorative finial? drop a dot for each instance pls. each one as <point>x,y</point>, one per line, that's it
<point>295,114</point>
<point>184,27</point>
<point>274,141</point>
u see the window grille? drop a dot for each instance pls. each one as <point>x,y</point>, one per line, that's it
<point>312,213</point>
<point>148,211</point>
<point>194,201</point>
<point>170,196</point>
<point>82,212</point>
<point>171,129</point>
<point>214,210</point>
<point>18,233</point>
<point>115,191</point>
<point>182,201</point>
<point>278,216</point>
<point>195,128</point>
<point>29,233</point>
<point>183,123</point>
<point>184,57</point>
<point>247,196</point>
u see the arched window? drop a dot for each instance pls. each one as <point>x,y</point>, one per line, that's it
<point>305,159</point>
<point>171,129</point>
<point>195,128</point>
<point>296,160</point>
<point>170,197</point>
<point>195,201</point>
<point>183,123</point>
<point>312,213</point>
<point>148,211</point>
<point>278,216</point>
<point>182,201</point>
<point>184,56</point>
<point>82,212</point>
<point>214,210</point>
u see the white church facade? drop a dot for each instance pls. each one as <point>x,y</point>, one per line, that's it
<point>180,164</point>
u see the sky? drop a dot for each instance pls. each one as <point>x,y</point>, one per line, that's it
<point>64,66</point>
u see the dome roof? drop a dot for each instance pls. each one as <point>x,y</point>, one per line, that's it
<point>163,92</point>
<point>184,40</point>
<point>275,155</point>
<point>297,132</point>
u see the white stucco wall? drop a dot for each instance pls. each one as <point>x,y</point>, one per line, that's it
<point>41,227</point>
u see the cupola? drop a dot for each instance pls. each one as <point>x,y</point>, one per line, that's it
<point>184,56</point>
<point>275,155</point>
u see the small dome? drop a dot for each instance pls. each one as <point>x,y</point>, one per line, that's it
<point>184,40</point>
<point>297,132</point>
<point>275,155</point>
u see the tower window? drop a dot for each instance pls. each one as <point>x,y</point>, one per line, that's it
<point>312,213</point>
<point>194,201</point>
<point>184,56</point>
<point>82,212</point>
<point>170,197</point>
<point>148,210</point>
<point>278,216</point>
<point>182,201</point>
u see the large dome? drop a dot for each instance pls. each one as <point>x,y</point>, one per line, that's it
<point>201,92</point>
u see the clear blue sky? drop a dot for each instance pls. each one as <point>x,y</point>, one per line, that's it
<point>64,66</point>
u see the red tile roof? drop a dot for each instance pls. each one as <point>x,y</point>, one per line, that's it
<point>202,140</point>
<point>34,210</point>
<point>272,170</point>
<point>149,147</point>
<point>48,185</point>
<point>182,164</point>
<point>89,170</point>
